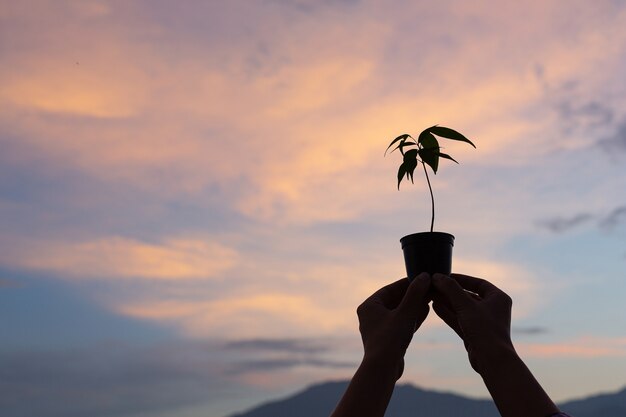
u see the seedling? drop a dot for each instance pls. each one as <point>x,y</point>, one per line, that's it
<point>427,152</point>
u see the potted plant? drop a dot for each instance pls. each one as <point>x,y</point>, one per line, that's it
<point>426,251</point>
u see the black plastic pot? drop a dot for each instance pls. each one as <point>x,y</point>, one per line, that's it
<point>427,252</point>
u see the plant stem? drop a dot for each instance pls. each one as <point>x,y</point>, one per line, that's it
<point>432,199</point>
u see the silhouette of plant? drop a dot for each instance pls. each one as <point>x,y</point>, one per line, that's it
<point>426,152</point>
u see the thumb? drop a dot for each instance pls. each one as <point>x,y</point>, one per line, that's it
<point>448,316</point>
<point>415,297</point>
<point>451,291</point>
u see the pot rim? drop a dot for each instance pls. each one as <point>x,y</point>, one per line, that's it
<point>414,238</point>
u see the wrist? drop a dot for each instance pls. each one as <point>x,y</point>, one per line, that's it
<point>385,366</point>
<point>494,358</point>
<point>512,385</point>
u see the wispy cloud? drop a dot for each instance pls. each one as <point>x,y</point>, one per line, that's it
<point>614,218</point>
<point>530,330</point>
<point>119,257</point>
<point>563,224</point>
<point>275,114</point>
<point>269,365</point>
<point>282,354</point>
<point>244,315</point>
<point>615,142</point>
<point>278,345</point>
<point>582,347</point>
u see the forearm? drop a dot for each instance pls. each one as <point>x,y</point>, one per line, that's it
<point>513,387</point>
<point>369,391</point>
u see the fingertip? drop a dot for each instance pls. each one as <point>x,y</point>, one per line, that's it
<point>417,293</point>
<point>445,285</point>
<point>420,277</point>
<point>439,280</point>
<point>421,283</point>
<point>423,276</point>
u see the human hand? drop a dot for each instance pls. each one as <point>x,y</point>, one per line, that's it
<point>479,312</point>
<point>390,316</point>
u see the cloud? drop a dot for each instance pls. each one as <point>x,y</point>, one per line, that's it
<point>563,224</point>
<point>581,347</point>
<point>283,354</point>
<point>585,115</point>
<point>109,380</point>
<point>72,88</point>
<point>300,299</point>
<point>308,346</point>
<point>262,313</point>
<point>120,257</point>
<point>615,142</point>
<point>614,218</point>
<point>513,279</point>
<point>271,365</point>
<point>530,330</point>
<point>276,128</point>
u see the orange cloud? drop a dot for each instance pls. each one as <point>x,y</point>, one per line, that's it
<point>300,128</point>
<point>299,299</point>
<point>73,88</point>
<point>261,315</point>
<point>582,347</point>
<point>118,257</point>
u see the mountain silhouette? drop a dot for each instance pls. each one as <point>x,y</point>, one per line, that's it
<point>410,401</point>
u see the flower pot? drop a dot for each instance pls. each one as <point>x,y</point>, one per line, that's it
<point>427,252</point>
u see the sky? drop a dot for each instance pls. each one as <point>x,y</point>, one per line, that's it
<point>194,198</point>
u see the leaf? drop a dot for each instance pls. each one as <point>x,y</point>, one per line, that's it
<point>410,154</point>
<point>430,156</point>
<point>427,140</point>
<point>401,145</point>
<point>446,132</point>
<point>399,138</point>
<point>410,163</point>
<point>401,172</point>
<point>408,166</point>
<point>430,149</point>
<point>446,156</point>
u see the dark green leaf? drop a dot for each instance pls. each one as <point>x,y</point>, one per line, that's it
<point>408,166</point>
<point>427,140</point>
<point>401,172</point>
<point>410,162</point>
<point>446,156</point>
<point>402,144</point>
<point>399,138</point>
<point>430,156</point>
<point>410,154</point>
<point>410,174</point>
<point>446,132</point>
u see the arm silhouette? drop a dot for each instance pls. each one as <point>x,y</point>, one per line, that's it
<point>387,321</point>
<point>480,313</point>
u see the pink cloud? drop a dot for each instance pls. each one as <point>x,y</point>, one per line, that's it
<point>582,347</point>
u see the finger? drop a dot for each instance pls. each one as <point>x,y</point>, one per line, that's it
<point>390,295</point>
<point>448,317</point>
<point>449,289</point>
<point>479,286</point>
<point>415,297</point>
<point>421,316</point>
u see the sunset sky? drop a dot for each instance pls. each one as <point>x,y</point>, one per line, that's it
<point>194,198</point>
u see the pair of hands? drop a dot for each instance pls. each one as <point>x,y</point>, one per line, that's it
<point>475,309</point>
